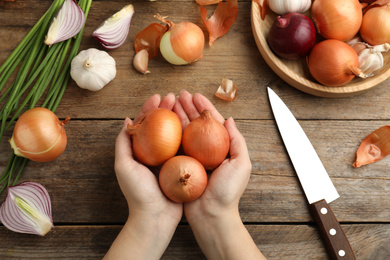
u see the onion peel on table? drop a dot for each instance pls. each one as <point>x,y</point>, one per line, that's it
<point>374,147</point>
<point>149,39</point>
<point>222,19</point>
<point>208,2</point>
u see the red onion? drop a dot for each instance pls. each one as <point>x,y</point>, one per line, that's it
<point>113,32</point>
<point>27,209</point>
<point>68,22</point>
<point>292,36</point>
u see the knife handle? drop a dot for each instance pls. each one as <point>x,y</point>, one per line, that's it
<point>336,242</point>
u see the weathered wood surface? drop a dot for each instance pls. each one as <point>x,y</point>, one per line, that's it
<point>88,207</point>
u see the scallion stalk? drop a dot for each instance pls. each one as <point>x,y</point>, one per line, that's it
<point>39,69</point>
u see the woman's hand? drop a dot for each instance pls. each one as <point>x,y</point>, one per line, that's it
<point>152,217</point>
<point>214,217</point>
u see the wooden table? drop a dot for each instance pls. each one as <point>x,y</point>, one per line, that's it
<point>88,206</point>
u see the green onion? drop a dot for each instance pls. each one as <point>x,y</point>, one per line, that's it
<point>39,69</point>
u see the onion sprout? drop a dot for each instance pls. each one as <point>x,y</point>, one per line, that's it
<point>39,69</point>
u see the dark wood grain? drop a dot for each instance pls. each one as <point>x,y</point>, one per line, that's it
<point>88,206</point>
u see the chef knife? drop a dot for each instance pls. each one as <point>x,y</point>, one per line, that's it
<point>314,179</point>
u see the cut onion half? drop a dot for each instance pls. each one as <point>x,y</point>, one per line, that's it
<point>27,209</point>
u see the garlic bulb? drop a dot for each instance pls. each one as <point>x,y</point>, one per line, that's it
<point>92,69</point>
<point>370,57</point>
<point>289,6</point>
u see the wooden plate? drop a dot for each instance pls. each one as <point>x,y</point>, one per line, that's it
<point>296,73</point>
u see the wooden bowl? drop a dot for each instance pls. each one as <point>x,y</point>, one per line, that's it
<point>296,73</point>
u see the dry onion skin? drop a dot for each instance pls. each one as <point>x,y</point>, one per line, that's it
<point>337,19</point>
<point>375,29</point>
<point>182,179</point>
<point>157,137</point>
<point>374,147</point>
<point>39,135</point>
<point>227,90</point>
<point>149,39</point>
<point>206,140</point>
<point>220,22</point>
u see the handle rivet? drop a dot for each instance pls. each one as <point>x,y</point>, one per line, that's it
<point>341,253</point>
<point>324,211</point>
<point>332,231</point>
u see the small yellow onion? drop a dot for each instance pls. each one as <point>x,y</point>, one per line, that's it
<point>183,42</point>
<point>333,63</point>
<point>206,140</point>
<point>182,179</point>
<point>337,19</point>
<point>39,135</point>
<point>157,137</point>
<point>375,29</point>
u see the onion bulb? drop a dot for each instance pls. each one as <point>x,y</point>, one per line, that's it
<point>375,29</point>
<point>292,36</point>
<point>333,63</point>
<point>157,137</point>
<point>39,135</point>
<point>183,42</point>
<point>182,179</point>
<point>337,19</point>
<point>206,140</point>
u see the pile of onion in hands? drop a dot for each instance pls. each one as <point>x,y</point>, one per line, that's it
<point>156,139</point>
<point>327,38</point>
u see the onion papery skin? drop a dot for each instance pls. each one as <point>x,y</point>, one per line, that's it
<point>375,29</point>
<point>206,140</point>
<point>157,137</point>
<point>182,44</point>
<point>337,19</point>
<point>182,179</point>
<point>333,63</point>
<point>39,135</point>
<point>292,36</point>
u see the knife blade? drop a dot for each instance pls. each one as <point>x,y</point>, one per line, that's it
<point>315,181</point>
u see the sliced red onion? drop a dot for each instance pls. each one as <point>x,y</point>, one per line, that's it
<point>68,22</point>
<point>113,32</point>
<point>27,209</point>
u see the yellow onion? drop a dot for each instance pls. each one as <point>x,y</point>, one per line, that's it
<point>206,140</point>
<point>182,179</point>
<point>182,43</point>
<point>157,137</point>
<point>337,19</point>
<point>333,63</point>
<point>39,135</point>
<point>375,29</point>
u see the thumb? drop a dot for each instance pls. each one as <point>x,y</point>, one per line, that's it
<point>238,147</point>
<point>123,143</point>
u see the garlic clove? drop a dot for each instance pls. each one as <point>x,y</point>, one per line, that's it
<point>27,209</point>
<point>370,57</point>
<point>227,90</point>
<point>374,147</point>
<point>68,22</point>
<point>93,69</point>
<point>289,6</point>
<point>141,60</point>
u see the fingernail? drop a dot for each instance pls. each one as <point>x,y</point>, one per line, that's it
<point>126,122</point>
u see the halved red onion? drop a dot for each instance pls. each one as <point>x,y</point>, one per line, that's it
<point>113,32</point>
<point>68,22</point>
<point>27,209</point>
